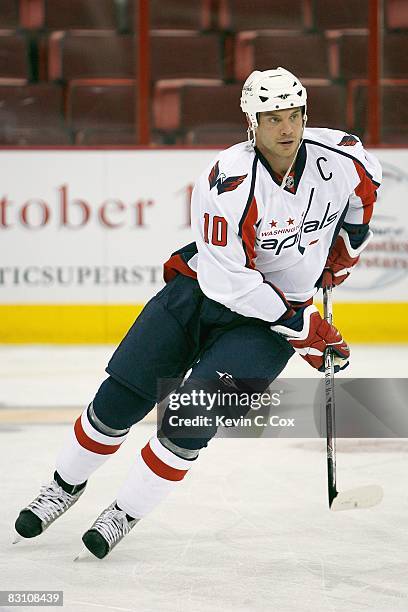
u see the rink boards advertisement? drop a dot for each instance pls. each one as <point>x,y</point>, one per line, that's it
<point>84,234</point>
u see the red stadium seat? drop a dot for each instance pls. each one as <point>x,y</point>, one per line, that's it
<point>8,14</point>
<point>222,135</point>
<point>32,14</point>
<point>100,54</point>
<point>184,106</point>
<point>14,62</point>
<point>187,55</point>
<point>396,14</point>
<point>90,55</point>
<point>180,14</point>
<point>395,55</point>
<point>32,114</point>
<point>106,137</point>
<point>353,56</point>
<point>394,112</point>
<point>340,14</point>
<point>240,15</point>
<point>326,106</point>
<point>101,104</point>
<point>39,137</point>
<point>307,55</point>
<point>81,14</point>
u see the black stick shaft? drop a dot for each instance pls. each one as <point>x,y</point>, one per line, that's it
<point>330,403</point>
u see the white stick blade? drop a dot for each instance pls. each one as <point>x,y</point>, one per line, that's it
<point>84,554</point>
<point>359,498</point>
<point>17,538</point>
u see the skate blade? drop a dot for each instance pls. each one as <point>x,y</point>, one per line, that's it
<point>359,498</point>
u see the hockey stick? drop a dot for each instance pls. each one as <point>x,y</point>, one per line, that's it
<point>360,497</point>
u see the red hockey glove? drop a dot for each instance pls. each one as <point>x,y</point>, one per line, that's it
<point>310,335</point>
<point>342,259</point>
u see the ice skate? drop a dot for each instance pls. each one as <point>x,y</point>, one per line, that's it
<point>51,503</point>
<point>108,530</point>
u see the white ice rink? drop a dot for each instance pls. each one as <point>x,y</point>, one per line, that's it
<point>249,529</point>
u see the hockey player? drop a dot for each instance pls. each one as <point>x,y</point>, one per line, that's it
<point>273,219</point>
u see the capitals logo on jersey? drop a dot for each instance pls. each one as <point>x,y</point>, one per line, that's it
<point>224,183</point>
<point>348,140</point>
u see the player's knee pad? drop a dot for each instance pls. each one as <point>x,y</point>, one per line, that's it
<point>102,427</point>
<point>183,451</point>
<point>118,407</point>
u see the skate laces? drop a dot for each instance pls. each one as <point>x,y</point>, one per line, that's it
<point>51,502</point>
<point>112,524</point>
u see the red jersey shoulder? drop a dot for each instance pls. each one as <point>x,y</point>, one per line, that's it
<point>223,182</point>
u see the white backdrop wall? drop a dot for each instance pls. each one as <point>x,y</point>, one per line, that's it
<point>94,227</point>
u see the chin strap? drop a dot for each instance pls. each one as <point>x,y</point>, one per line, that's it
<point>283,184</point>
<point>251,136</point>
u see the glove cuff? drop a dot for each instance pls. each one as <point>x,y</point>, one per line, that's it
<point>355,252</point>
<point>293,334</point>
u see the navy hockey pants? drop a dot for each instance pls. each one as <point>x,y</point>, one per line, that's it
<point>180,328</point>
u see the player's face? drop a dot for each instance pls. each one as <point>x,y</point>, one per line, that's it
<point>279,133</point>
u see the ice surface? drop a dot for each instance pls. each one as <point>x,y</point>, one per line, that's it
<point>248,529</point>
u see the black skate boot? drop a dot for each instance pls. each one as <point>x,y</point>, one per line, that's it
<point>108,530</point>
<point>51,503</point>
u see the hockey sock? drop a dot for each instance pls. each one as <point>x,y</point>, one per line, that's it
<point>156,472</point>
<point>86,449</point>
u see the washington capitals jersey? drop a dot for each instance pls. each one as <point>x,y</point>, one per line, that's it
<point>261,245</point>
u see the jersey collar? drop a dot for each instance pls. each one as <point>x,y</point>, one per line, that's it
<point>300,164</point>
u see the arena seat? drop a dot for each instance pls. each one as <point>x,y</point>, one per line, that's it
<point>101,104</point>
<point>304,54</point>
<point>394,112</point>
<point>326,106</point>
<point>32,14</point>
<point>353,55</point>
<point>340,15</point>
<point>396,14</point>
<point>81,14</point>
<point>184,106</point>
<point>14,60</point>
<point>39,137</point>
<point>222,135</point>
<point>9,14</point>
<point>180,15</point>
<point>186,55</point>
<point>395,55</point>
<point>32,114</point>
<point>106,137</point>
<point>240,15</point>
<point>90,55</point>
<point>101,54</point>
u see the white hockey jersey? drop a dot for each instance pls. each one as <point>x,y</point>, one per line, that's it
<point>260,246</point>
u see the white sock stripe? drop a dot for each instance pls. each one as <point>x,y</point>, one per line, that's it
<point>167,456</point>
<point>95,435</point>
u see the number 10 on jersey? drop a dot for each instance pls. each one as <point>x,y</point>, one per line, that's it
<point>218,231</point>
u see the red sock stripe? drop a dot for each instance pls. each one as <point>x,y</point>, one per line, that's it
<point>91,445</point>
<point>159,467</point>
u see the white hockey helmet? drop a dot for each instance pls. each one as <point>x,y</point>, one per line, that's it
<point>270,90</point>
